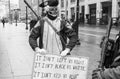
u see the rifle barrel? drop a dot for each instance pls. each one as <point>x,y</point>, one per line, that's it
<point>31,9</point>
<point>105,44</point>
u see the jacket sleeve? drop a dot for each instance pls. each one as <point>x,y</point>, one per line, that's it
<point>111,73</point>
<point>35,33</point>
<point>71,34</point>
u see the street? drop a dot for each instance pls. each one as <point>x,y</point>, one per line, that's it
<point>16,55</point>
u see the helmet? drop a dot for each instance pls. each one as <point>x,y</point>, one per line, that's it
<point>49,3</point>
<point>50,7</point>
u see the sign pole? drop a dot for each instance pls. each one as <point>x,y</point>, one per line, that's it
<point>77,21</point>
<point>26,19</point>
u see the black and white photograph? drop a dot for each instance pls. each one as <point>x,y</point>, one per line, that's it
<point>59,39</point>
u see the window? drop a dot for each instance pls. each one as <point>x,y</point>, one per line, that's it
<point>72,1</point>
<point>72,10</point>
<point>62,3</point>
<point>81,0</point>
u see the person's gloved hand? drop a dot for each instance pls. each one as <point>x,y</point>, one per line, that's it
<point>65,52</point>
<point>96,74</point>
<point>41,51</point>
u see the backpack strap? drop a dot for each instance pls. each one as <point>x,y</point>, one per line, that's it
<point>41,33</point>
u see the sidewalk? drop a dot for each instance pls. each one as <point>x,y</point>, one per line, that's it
<point>16,56</point>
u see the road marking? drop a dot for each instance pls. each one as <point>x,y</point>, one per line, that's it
<point>99,36</point>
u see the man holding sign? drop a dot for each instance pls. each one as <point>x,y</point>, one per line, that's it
<point>51,41</point>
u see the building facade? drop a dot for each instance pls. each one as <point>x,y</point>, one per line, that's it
<point>90,11</point>
<point>22,7</point>
<point>35,6</point>
<point>7,10</point>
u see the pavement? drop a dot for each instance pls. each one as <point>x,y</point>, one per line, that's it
<point>15,52</point>
<point>16,55</point>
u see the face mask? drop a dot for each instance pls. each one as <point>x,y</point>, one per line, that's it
<point>53,11</point>
<point>51,17</point>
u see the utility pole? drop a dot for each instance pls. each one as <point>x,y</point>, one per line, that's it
<point>10,17</point>
<point>26,19</point>
<point>16,16</point>
<point>66,9</point>
<point>42,9</point>
<point>38,6</point>
<point>77,21</point>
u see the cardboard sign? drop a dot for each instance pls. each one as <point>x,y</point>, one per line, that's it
<point>57,67</point>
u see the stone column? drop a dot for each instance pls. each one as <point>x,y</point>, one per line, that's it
<point>69,11</point>
<point>59,8</point>
<point>114,10</point>
<point>86,11</point>
<point>98,12</point>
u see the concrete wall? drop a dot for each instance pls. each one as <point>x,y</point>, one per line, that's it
<point>111,4</point>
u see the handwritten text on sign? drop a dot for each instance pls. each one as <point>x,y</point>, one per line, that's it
<point>56,67</point>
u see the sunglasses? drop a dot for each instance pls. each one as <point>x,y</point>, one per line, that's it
<point>53,8</point>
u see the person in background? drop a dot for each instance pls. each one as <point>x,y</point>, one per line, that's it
<point>3,22</point>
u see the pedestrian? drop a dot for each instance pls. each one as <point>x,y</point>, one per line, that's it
<point>49,41</point>
<point>113,70</point>
<point>3,22</point>
<point>32,23</point>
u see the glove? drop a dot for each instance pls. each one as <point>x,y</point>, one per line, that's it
<point>41,51</point>
<point>65,52</point>
<point>96,74</point>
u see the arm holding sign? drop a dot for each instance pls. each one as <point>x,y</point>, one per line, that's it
<point>68,32</point>
<point>35,34</point>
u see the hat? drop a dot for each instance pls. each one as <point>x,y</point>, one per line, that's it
<point>50,3</point>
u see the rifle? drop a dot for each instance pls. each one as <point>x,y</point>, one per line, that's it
<point>45,19</point>
<point>31,9</point>
<point>105,45</point>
